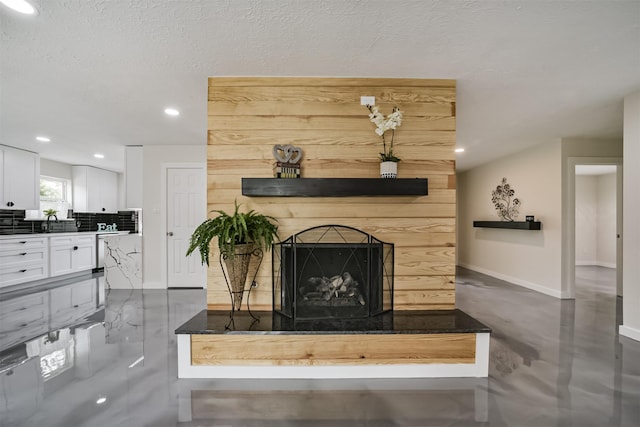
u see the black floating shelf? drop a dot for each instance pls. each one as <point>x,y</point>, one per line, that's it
<point>517,225</point>
<point>333,187</point>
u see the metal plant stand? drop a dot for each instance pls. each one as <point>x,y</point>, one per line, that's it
<point>236,294</point>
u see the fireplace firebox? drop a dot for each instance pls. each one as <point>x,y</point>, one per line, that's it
<point>332,272</point>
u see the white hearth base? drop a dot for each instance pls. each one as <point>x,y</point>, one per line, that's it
<point>432,370</point>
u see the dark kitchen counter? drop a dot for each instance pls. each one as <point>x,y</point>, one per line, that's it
<point>67,233</point>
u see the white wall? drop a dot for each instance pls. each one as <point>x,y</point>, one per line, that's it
<point>134,174</point>
<point>55,169</point>
<point>631,237</point>
<point>528,258</point>
<point>586,220</point>
<point>154,157</point>
<point>606,226</point>
<point>121,191</point>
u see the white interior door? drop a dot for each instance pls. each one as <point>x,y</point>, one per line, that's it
<point>186,209</point>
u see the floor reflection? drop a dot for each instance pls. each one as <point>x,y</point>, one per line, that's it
<point>35,351</point>
<point>123,315</point>
<point>380,403</point>
<point>86,357</point>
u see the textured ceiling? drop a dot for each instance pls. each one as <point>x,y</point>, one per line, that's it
<point>96,75</point>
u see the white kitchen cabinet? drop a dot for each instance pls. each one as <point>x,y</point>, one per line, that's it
<point>94,190</point>
<point>20,174</point>
<point>71,254</point>
<point>22,260</point>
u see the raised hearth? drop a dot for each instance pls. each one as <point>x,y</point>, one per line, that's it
<point>219,322</point>
<point>400,344</point>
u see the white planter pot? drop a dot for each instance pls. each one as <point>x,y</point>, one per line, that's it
<point>388,169</point>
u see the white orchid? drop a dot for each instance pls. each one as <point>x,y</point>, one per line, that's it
<point>384,124</point>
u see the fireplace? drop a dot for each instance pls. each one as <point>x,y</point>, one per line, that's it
<point>332,272</point>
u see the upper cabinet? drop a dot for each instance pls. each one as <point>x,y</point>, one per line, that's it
<point>94,190</point>
<point>20,179</point>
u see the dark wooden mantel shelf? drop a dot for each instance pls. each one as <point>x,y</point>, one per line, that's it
<point>333,187</point>
<point>517,225</point>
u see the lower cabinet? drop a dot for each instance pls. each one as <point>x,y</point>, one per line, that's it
<point>25,259</point>
<point>71,254</point>
<point>22,260</point>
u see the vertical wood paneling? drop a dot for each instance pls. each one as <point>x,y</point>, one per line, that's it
<point>247,116</point>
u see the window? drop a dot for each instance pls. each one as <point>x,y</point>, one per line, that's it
<point>55,193</point>
<point>53,189</point>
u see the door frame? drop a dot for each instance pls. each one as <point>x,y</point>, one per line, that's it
<point>164,167</point>
<point>569,226</point>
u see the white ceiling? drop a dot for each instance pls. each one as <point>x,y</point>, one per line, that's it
<point>96,75</point>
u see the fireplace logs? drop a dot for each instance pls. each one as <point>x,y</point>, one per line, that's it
<point>339,290</point>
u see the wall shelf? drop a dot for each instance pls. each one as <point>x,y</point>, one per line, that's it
<point>517,225</point>
<point>333,187</point>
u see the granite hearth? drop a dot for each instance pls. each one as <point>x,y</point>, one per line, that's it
<point>399,344</point>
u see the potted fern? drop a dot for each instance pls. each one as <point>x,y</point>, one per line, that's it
<point>239,236</point>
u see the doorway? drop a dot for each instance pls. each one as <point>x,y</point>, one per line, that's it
<point>594,220</point>
<point>596,225</point>
<point>185,208</point>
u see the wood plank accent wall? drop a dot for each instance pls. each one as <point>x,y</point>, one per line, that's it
<point>310,350</point>
<point>323,116</point>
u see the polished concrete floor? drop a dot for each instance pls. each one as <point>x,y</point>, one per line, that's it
<point>553,363</point>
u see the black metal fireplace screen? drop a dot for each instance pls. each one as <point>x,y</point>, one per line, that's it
<point>332,272</point>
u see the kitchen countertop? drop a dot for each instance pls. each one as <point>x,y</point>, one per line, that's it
<point>111,235</point>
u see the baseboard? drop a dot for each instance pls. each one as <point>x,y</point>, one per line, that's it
<point>596,264</point>
<point>606,264</point>
<point>516,281</point>
<point>629,332</point>
<point>153,285</point>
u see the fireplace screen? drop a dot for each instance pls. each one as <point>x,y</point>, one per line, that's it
<point>332,272</point>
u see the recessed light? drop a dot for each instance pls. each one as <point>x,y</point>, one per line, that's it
<point>171,112</point>
<point>43,139</point>
<point>101,400</point>
<point>19,6</point>
<point>459,150</point>
<point>99,156</point>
